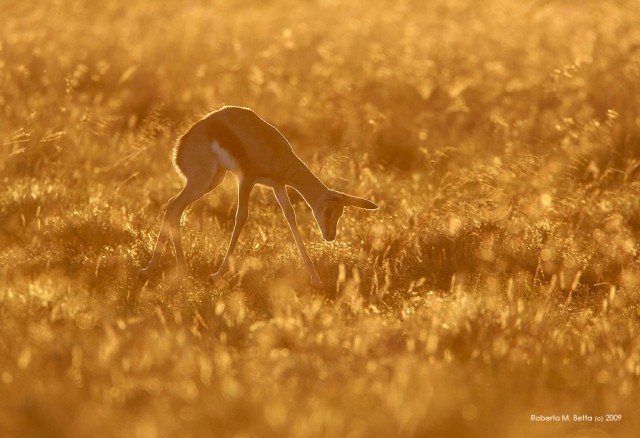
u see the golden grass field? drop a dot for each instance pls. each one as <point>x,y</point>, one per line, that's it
<point>499,280</point>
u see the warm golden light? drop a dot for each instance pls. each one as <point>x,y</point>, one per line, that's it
<point>496,292</point>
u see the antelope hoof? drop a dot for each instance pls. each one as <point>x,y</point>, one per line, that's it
<point>144,273</point>
<point>316,283</point>
<point>181,272</point>
<point>215,278</point>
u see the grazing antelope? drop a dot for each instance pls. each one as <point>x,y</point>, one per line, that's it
<point>235,139</point>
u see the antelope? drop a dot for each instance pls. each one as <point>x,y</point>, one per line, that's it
<point>235,139</point>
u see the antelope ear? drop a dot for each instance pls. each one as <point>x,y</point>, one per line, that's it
<point>348,200</point>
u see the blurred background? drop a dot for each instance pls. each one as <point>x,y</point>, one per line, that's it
<point>499,279</point>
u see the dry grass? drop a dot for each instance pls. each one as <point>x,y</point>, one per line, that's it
<point>499,279</point>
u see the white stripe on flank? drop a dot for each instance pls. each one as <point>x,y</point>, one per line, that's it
<point>225,160</point>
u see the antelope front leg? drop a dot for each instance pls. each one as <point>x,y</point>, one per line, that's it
<point>290,215</point>
<point>242,213</point>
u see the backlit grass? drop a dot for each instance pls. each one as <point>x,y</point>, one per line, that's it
<point>500,278</point>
